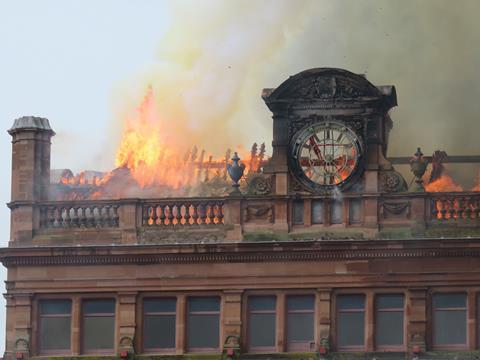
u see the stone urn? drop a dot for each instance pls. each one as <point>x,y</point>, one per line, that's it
<point>235,171</point>
<point>418,166</point>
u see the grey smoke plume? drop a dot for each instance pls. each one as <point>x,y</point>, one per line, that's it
<point>215,60</point>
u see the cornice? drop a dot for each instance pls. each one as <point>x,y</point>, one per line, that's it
<point>239,253</point>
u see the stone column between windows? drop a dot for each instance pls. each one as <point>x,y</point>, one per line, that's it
<point>23,323</point>
<point>10,328</point>
<point>307,212</point>
<point>417,318</point>
<point>280,328</point>
<point>180,342</point>
<point>232,313</point>
<point>323,317</point>
<point>471,320</point>
<point>126,321</point>
<point>369,321</point>
<point>76,326</point>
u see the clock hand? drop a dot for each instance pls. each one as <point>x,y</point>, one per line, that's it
<point>314,145</point>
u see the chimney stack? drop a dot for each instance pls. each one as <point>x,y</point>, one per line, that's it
<point>30,172</point>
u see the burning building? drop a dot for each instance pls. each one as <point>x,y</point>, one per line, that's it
<point>321,250</point>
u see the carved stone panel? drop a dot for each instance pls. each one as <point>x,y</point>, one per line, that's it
<point>258,213</point>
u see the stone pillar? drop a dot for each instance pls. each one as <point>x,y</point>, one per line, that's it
<point>322,337</point>
<point>76,325</point>
<point>23,324</point>
<point>278,164</point>
<point>232,313</point>
<point>180,328</point>
<point>233,218</point>
<point>418,214</point>
<point>129,217</point>
<point>417,318</point>
<point>10,328</point>
<point>472,320</point>
<point>369,321</point>
<point>281,322</point>
<point>126,321</point>
<point>30,173</point>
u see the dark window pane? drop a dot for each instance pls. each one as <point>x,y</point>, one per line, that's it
<point>98,332</point>
<point>203,331</point>
<point>351,329</point>
<point>55,333</point>
<point>317,212</point>
<point>346,302</point>
<point>302,302</point>
<point>300,327</point>
<point>450,327</point>
<point>159,305</point>
<point>106,306</point>
<point>258,303</point>
<point>204,304</point>
<point>389,328</point>
<point>261,329</point>
<point>48,307</point>
<point>159,332</point>
<point>355,210</point>
<point>298,212</point>
<point>389,301</point>
<point>449,300</point>
<point>337,212</point>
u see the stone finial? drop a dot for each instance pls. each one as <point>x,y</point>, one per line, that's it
<point>31,123</point>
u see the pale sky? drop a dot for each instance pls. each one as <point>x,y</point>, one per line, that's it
<point>83,64</point>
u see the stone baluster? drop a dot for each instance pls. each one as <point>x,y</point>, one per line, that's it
<point>443,209</point>
<point>145,215</point>
<point>211,214</point>
<point>220,213</point>
<point>178,214</point>
<point>115,219</point>
<point>187,214</point>
<point>58,217</point>
<point>461,204</point>
<point>170,216</point>
<point>74,216</point>
<point>66,217</point>
<point>153,215</point>
<point>82,219</point>
<point>195,215</point>
<point>203,214</point>
<point>451,209</point>
<point>435,210</point>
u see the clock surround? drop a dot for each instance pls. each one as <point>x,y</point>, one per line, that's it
<point>326,155</point>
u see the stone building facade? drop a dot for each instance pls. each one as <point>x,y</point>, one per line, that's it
<point>328,254</point>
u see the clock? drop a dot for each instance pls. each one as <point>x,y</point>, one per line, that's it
<point>325,155</point>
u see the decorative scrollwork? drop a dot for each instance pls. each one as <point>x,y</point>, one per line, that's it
<point>392,182</point>
<point>259,184</point>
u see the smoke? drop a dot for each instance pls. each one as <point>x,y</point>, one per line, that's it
<point>215,59</point>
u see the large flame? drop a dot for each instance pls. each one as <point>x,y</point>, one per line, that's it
<point>148,163</point>
<point>443,184</point>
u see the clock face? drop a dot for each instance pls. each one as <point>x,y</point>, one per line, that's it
<point>326,154</point>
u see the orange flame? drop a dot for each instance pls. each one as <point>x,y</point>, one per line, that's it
<point>443,184</point>
<point>152,161</point>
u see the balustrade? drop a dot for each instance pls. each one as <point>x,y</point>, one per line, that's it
<point>183,213</point>
<point>452,208</point>
<point>94,215</point>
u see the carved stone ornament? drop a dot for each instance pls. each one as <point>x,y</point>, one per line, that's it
<point>258,212</point>
<point>392,182</point>
<point>395,209</point>
<point>259,184</point>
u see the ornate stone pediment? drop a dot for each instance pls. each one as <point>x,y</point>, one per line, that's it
<point>325,85</point>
